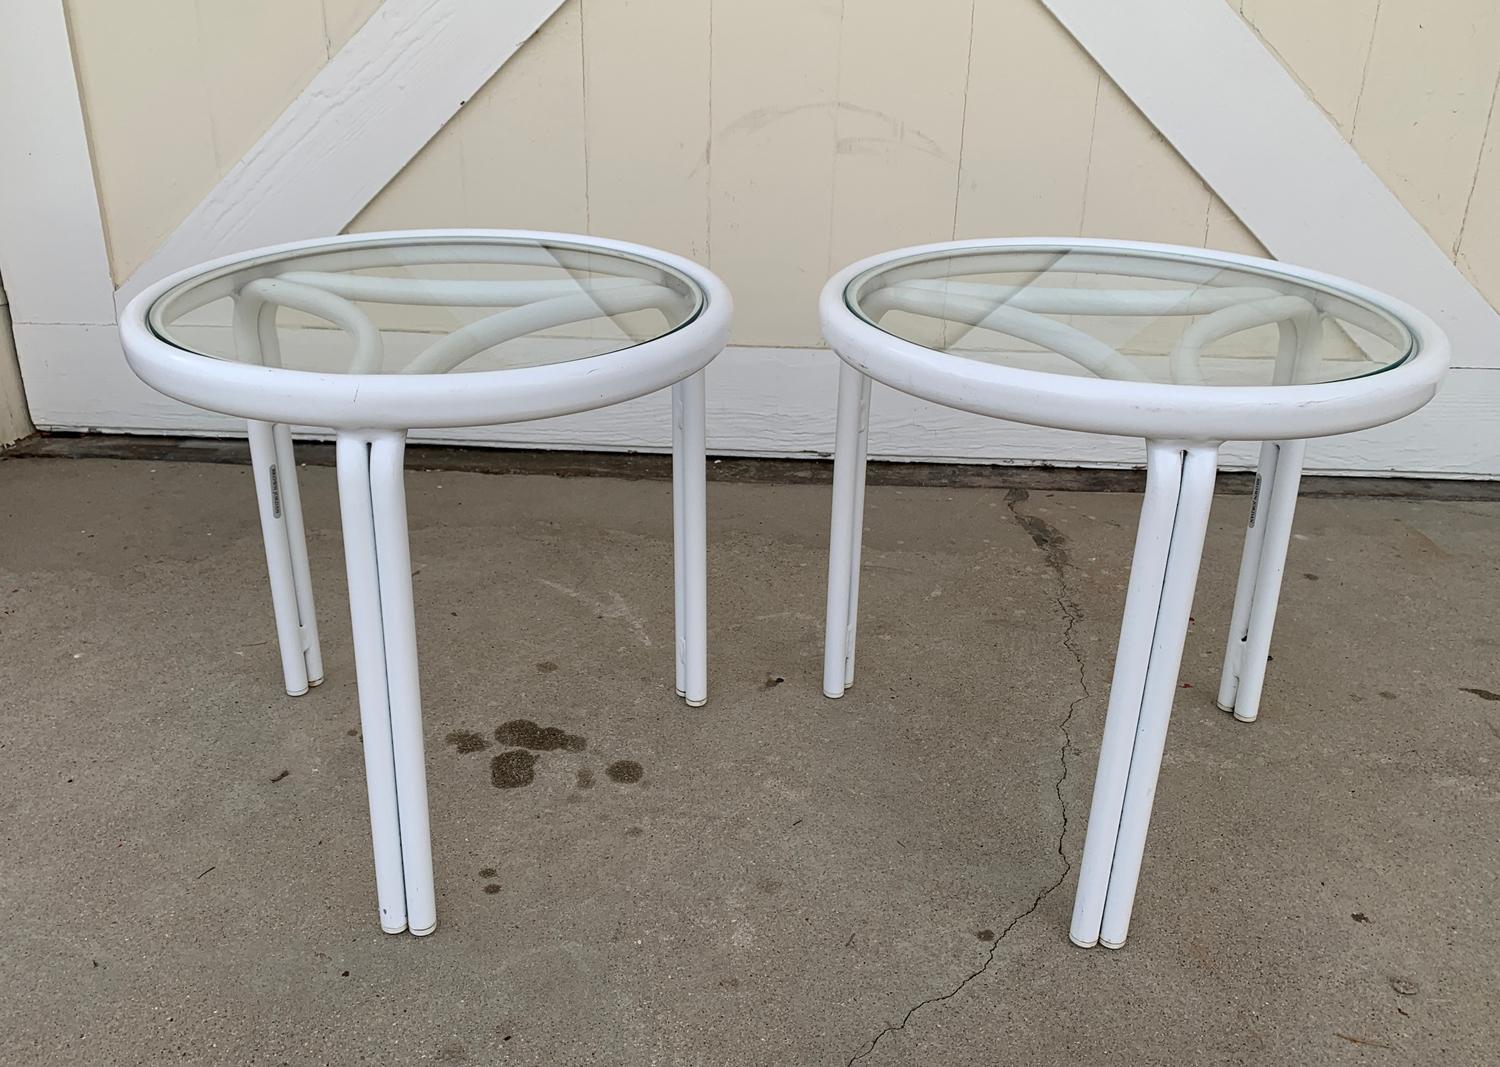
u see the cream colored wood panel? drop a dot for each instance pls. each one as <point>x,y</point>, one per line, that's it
<point>428,193</point>
<point>1479,244</point>
<point>1031,97</point>
<point>341,18</point>
<point>899,126</point>
<point>513,158</point>
<point>646,71</point>
<point>1226,232</point>
<point>1324,45</point>
<point>1426,102</point>
<point>1138,186</point>
<point>774,85</point>
<point>256,58</point>
<point>523,135</point>
<point>150,119</point>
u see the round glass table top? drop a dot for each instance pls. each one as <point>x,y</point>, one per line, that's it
<point>1129,315</point>
<point>426,305</point>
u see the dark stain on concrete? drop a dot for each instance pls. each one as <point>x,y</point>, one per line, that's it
<point>769,886</point>
<point>523,733</point>
<point>1387,694</point>
<point>1482,694</point>
<point>1310,576</point>
<point>492,889</point>
<point>280,776</point>
<point>467,741</point>
<point>634,831</point>
<point>585,778</point>
<point>513,769</point>
<point>625,771</point>
<point>546,666</point>
<point>985,935</point>
<point>487,872</point>
<point>772,681</point>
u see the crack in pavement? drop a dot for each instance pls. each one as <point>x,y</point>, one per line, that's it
<point>1053,544</point>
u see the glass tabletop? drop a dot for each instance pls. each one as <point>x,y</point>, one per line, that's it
<point>1129,315</point>
<point>426,305</point>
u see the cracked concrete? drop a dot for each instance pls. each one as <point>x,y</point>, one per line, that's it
<point>778,879</point>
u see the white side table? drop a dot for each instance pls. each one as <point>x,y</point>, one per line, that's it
<point>373,335</point>
<point>1183,347</point>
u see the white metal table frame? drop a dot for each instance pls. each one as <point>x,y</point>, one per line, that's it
<point>1183,423</point>
<point>371,414</point>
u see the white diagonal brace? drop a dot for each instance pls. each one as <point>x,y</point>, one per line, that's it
<point>365,115</point>
<point>1205,80</point>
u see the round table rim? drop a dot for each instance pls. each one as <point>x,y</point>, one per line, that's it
<point>427,401</point>
<point>1160,411</point>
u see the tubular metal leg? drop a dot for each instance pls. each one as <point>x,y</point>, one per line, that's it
<point>1261,567</point>
<point>861,452</point>
<point>296,536</point>
<point>279,556</point>
<point>844,532</point>
<point>399,626</point>
<point>679,584</point>
<point>361,559</point>
<point>1158,601</point>
<point>690,487</point>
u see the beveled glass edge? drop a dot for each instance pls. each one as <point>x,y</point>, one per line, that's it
<point>153,323</point>
<point>1186,256</point>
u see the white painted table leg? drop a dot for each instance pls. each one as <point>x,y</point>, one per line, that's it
<point>370,670</point>
<point>1259,588</point>
<point>296,535</point>
<point>1180,580</point>
<point>1244,590</point>
<point>398,618</point>
<point>861,453</point>
<point>679,578</point>
<point>844,529</point>
<point>279,565</point>
<point>694,539</point>
<point>1148,568</point>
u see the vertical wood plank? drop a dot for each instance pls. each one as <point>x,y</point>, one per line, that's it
<point>771,165</point>
<point>512,158</point>
<point>341,18</point>
<point>646,78</point>
<point>1323,45</point>
<point>1139,187</point>
<point>1031,97</point>
<point>1426,101</point>
<point>1479,244</point>
<point>256,58</point>
<point>899,127</point>
<point>150,122</point>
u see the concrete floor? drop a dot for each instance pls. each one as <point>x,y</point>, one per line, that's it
<point>884,880</point>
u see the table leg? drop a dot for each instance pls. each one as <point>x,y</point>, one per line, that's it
<point>1158,602</point>
<point>373,503</point>
<point>296,536</point>
<point>690,536</point>
<point>280,565</point>
<point>1261,567</point>
<point>679,585</point>
<point>851,438</point>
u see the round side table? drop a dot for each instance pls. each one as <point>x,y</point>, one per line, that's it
<point>1183,347</point>
<point>372,335</point>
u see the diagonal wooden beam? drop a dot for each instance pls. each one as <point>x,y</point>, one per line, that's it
<point>1205,80</point>
<point>365,115</point>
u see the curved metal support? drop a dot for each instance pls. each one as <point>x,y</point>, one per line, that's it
<point>1087,351</point>
<point>1184,361</point>
<point>262,297</point>
<point>464,344</point>
<point>447,292</point>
